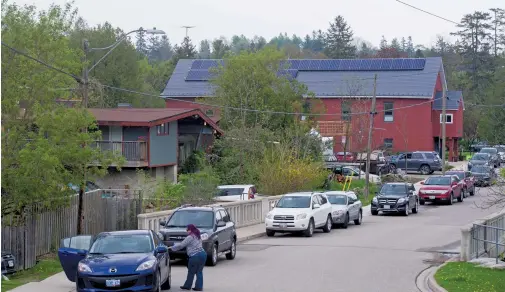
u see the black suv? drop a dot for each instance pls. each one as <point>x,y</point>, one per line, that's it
<point>397,198</point>
<point>216,227</point>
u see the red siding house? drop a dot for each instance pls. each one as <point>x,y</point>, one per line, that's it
<point>408,90</point>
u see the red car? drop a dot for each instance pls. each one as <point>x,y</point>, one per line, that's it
<point>466,179</point>
<point>441,189</point>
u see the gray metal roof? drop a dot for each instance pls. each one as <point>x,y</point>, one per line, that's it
<point>452,103</point>
<point>399,84</point>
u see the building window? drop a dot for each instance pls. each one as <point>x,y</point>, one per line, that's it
<point>346,110</point>
<point>388,143</point>
<point>209,113</point>
<point>388,112</point>
<point>448,118</point>
<point>162,130</point>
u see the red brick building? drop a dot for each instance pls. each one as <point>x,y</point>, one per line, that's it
<point>409,95</point>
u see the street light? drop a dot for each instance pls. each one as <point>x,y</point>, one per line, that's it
<point>84,84</point>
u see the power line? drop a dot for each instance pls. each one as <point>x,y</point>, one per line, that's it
<point>77,78</point>
<point>427,12</point>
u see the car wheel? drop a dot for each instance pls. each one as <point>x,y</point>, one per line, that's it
<point>328,225</point>
<point>461,197</point>
<point>416,208</point>
<point>270,233</point>
<point>360,218</point>
<point>168,282</point>
<point>346,221</point>
<point>425,169</point>
<point>233,250</point>
<point>310,229</point>
<point>451,199</point>
<point>422,202</point>
<point>375,212</point>
<point>212,259</point>
<point>407,210</point>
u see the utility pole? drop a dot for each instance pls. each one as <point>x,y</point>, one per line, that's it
<point>444,120</point>
<point>187,29</point>
<point>82,188</point>
<point>369,144</point>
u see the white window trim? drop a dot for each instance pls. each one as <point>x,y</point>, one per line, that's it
<point>447,115</point>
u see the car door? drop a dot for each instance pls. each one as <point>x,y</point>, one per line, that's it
<point>161,257</point>
<point>226,233</point>
<point>416,161</point>
<point>351,208</point>
<point>316,212</point>
<point>220,231</point>
<point>456,186</point>
<point>72,250</point>
<point>412,195</point>
<point>325,207</point>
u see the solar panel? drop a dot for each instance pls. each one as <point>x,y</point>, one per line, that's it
<point>386,64</point>
<point>365,64</point>
<point>304,65</point>
<point>196,64</point>
<point>295,64</point>
<point>314,65</point>
<point>397,64</point>
<point>289,73</point>
<point>199,75</point>
<point>354,65</point>
<point>418,64</point>
<point>405,64</point>
<point>325,65</point>
<point>345,65</point>
<point>334,65</point>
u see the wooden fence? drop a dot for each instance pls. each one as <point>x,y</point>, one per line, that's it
<point>42,229</point>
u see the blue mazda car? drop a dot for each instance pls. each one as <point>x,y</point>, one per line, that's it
<point>134,260</point>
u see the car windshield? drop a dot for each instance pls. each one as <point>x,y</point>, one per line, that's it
<point>438,181</point>
<point>480,156</point>
<point>122,243</point>
<point>337,199</point>
<point>200,218</point>
<point>488,150</point>
<point>461,175</point>
<point>294,202</point>
<point>231,192</point>
<point>480,169</point>
<point>394,189</point>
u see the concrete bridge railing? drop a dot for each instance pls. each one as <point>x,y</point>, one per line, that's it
<point>243,213</point>
<point>484,237</point>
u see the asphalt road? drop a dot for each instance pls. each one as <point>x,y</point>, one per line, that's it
<point>386,253</point>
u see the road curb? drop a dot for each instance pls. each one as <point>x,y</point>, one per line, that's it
<point>426,280</point>
<point>252,236</point>
<point>432,283</point>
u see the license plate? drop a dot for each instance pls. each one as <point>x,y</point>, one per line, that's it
<point>11,264</point>
<point>432,197</point>
<point>283,225</point>
<point>386,207</point>
<point>112,283</point>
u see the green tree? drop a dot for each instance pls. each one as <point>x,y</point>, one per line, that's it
<point>220,48</point>
<point>166,50</point>
<point>204,52</point>
<point>339,40</point>
<point>185,51</point>
<point>141,44</point>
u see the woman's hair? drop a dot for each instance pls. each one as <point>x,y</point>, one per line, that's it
<point>192,228</point>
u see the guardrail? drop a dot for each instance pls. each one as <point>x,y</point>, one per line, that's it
<point>243,213</point>
<point>484,237</point>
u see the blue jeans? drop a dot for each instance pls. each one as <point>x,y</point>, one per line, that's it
<point>195,267</point>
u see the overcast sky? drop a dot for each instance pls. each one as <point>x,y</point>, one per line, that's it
<point>369,19</point>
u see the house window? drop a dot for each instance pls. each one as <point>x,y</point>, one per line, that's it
<point>388,143</point>
<point>346,110</point>
<point>388,112</point>
<point>209,113</point>
<point>162,130</point>
<point>448,118</point>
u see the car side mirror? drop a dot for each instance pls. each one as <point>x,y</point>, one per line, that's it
<point>316,206</point>
<point>162,223</point>
<point>82,252</point>
<point>221,223</point>
<point>350,202</point>
<point>421,183</point>
<point>161,249</point>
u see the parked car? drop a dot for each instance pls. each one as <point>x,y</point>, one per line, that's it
<point>348,157</point>
<point>136,260</point>
<point>345,207</point>
<point>478,146</point>
<point>426,162</point>
<point>495,159</point>
<point>8,263</point>
<point>501,152</point>
<point>218,232</point>
<point>466,179</point>
<point>397,198</point>
<point>236,193</point>
<point>357,173</point>
<point>441,189</point>
<point>484,175</point>
<point>300,212</point>
<point>479,159</point>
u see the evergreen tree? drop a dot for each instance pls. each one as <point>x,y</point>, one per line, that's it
<point>498,30</point>
<point>396,44</point>
<point>141,44</point>
<point>185,51</point>
<point>339,40</point>
<point>365,51</point>
<point>383,43</point>
<point>410,47</point>
<point>404,44</point>
<point>204,52</point>
<point>154,49</point>
<point>220,48</point>
<point>166,51</point>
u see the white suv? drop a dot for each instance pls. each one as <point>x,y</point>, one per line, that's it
<point>300,212</point>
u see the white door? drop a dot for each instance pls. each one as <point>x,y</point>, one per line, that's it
<point>353,208</point>
<point>316,212</point>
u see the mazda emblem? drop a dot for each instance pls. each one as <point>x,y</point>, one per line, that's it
<point>112,270</point>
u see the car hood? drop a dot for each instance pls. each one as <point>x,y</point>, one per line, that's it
<point>478,161</point>
<point>435,188</point>
<point>289,211</point>
<point>178,231</point>
<point>338,208</point>
<point>123,263</point>
<point>480,174</point>
<point>391,196</point>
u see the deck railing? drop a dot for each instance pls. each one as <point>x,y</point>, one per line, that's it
<point>130,150</point>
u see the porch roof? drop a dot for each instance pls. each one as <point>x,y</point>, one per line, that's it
<point>146,117</point>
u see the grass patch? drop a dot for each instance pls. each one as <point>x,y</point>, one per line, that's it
<point>46,267</point>
<point>468,277</point>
